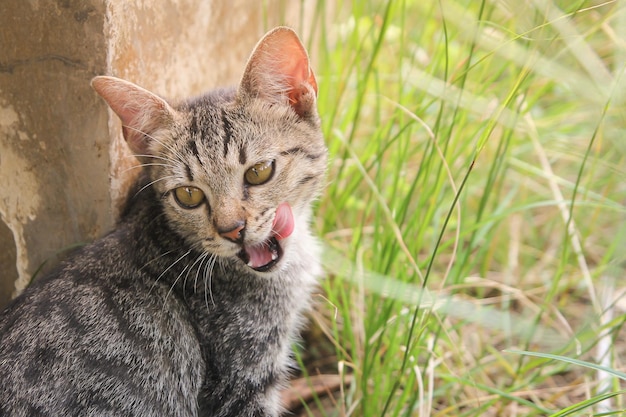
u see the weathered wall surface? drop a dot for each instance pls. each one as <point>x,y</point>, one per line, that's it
<point>53,136</point>
<point>63,163</point>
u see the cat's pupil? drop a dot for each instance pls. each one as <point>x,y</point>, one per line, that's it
<point>260,173</point>
<point>188,197</point>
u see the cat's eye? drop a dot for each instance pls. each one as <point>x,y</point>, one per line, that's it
<point>188,197</point>
<point>260,173</point>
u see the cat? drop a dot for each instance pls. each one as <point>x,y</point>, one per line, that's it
<point>189,307</point>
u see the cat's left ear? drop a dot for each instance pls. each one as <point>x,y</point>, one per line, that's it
<point>142,113</point>
<point>279,72</point>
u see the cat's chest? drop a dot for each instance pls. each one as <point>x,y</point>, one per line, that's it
<point>247,321</point>
<point>236,307</point>
<point>245,328</point>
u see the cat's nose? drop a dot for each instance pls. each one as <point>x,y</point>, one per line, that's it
<point>234,233</point>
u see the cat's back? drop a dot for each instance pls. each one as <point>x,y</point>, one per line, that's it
<point>95,338</point>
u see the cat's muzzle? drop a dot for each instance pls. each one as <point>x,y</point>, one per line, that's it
<point>269,251</point>
<point>266,255</point>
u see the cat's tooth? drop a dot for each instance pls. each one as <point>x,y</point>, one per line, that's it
<point>274,256</point>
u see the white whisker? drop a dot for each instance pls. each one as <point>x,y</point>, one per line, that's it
<point>208,277</point>
<point>163,158</point>
<point>153,182</point>
<point>174,285</point>
<point>149,165</point>
<point>163,144</point>
<point>168,268</point>
<point>155,259</point>
<point>201,258</point>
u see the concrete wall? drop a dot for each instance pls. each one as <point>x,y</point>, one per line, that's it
<point>63,163</point>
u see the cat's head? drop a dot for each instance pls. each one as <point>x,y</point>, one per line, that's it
<point>235,170</point>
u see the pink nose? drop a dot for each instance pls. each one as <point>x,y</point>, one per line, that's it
<point>234,234</point>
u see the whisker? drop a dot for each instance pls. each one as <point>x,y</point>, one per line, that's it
<point>173,286</point>
<point>163,144</point>
<point>188,268</point>
<point>275,233</point>
<point>148,165</point>
<point>199,259</point>
<point>163,158</point>
<point>168,268</point>
<point>153,182</point>
<point>208,277</point>
<point>205,257</point>
<point>155,259</point>
<point>134,156</point>
<point>187,276</point>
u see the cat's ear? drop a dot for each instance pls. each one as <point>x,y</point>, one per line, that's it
<point>278,71</point>
<point>142,112</point>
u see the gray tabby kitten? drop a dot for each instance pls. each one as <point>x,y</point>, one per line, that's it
<point>189,307</point>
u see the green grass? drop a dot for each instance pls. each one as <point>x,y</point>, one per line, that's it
<point>475,206</point>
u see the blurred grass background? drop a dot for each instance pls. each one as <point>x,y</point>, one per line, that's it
<point>475,208</point>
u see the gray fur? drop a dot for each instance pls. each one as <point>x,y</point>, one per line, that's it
<point>161,317</point>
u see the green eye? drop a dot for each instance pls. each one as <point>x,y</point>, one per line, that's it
<point>259,173</point>
<point>188,197</point>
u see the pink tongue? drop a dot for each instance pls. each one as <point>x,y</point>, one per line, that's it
<point>283,222</point>
<point>281,228</point>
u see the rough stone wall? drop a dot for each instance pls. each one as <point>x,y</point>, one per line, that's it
<point>63,164</point>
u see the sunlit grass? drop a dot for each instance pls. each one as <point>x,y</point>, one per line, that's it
<point>475,204</point>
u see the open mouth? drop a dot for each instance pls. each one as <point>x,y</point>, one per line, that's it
<point>263,257</point>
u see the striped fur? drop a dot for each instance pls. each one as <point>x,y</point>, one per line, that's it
<point>162,316</point>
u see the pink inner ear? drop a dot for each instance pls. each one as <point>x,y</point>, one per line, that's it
<point>279,71</point>
<point>141,112</point>
<point>301,76</point>
<point>294,63</point>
